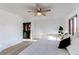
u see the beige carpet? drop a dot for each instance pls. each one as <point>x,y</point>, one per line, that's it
<point>16,49</point>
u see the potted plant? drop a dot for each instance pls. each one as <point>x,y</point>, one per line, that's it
<point>60,31</point>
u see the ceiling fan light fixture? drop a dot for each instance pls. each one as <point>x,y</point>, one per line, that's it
<point>39,10</point>
<point>39,13</point>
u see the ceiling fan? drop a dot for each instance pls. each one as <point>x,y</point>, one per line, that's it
<point>39,10</point>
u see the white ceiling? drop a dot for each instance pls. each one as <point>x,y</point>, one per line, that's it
<point>58,10</point>
<point>46,24</point>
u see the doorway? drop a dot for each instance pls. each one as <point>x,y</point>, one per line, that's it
<point>27,30</point>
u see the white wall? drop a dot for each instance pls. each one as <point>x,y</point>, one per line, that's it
<point>76,11</point>
<point>10,29</point>
<point>44,25</point>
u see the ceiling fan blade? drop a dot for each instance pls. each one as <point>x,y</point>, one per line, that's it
<point>43,14</point>
<point>31,11</point>
<point>46,10</point>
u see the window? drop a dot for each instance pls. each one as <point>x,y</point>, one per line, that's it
<point>73,25</point>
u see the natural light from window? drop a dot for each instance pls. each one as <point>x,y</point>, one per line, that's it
<point>53,38</point>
